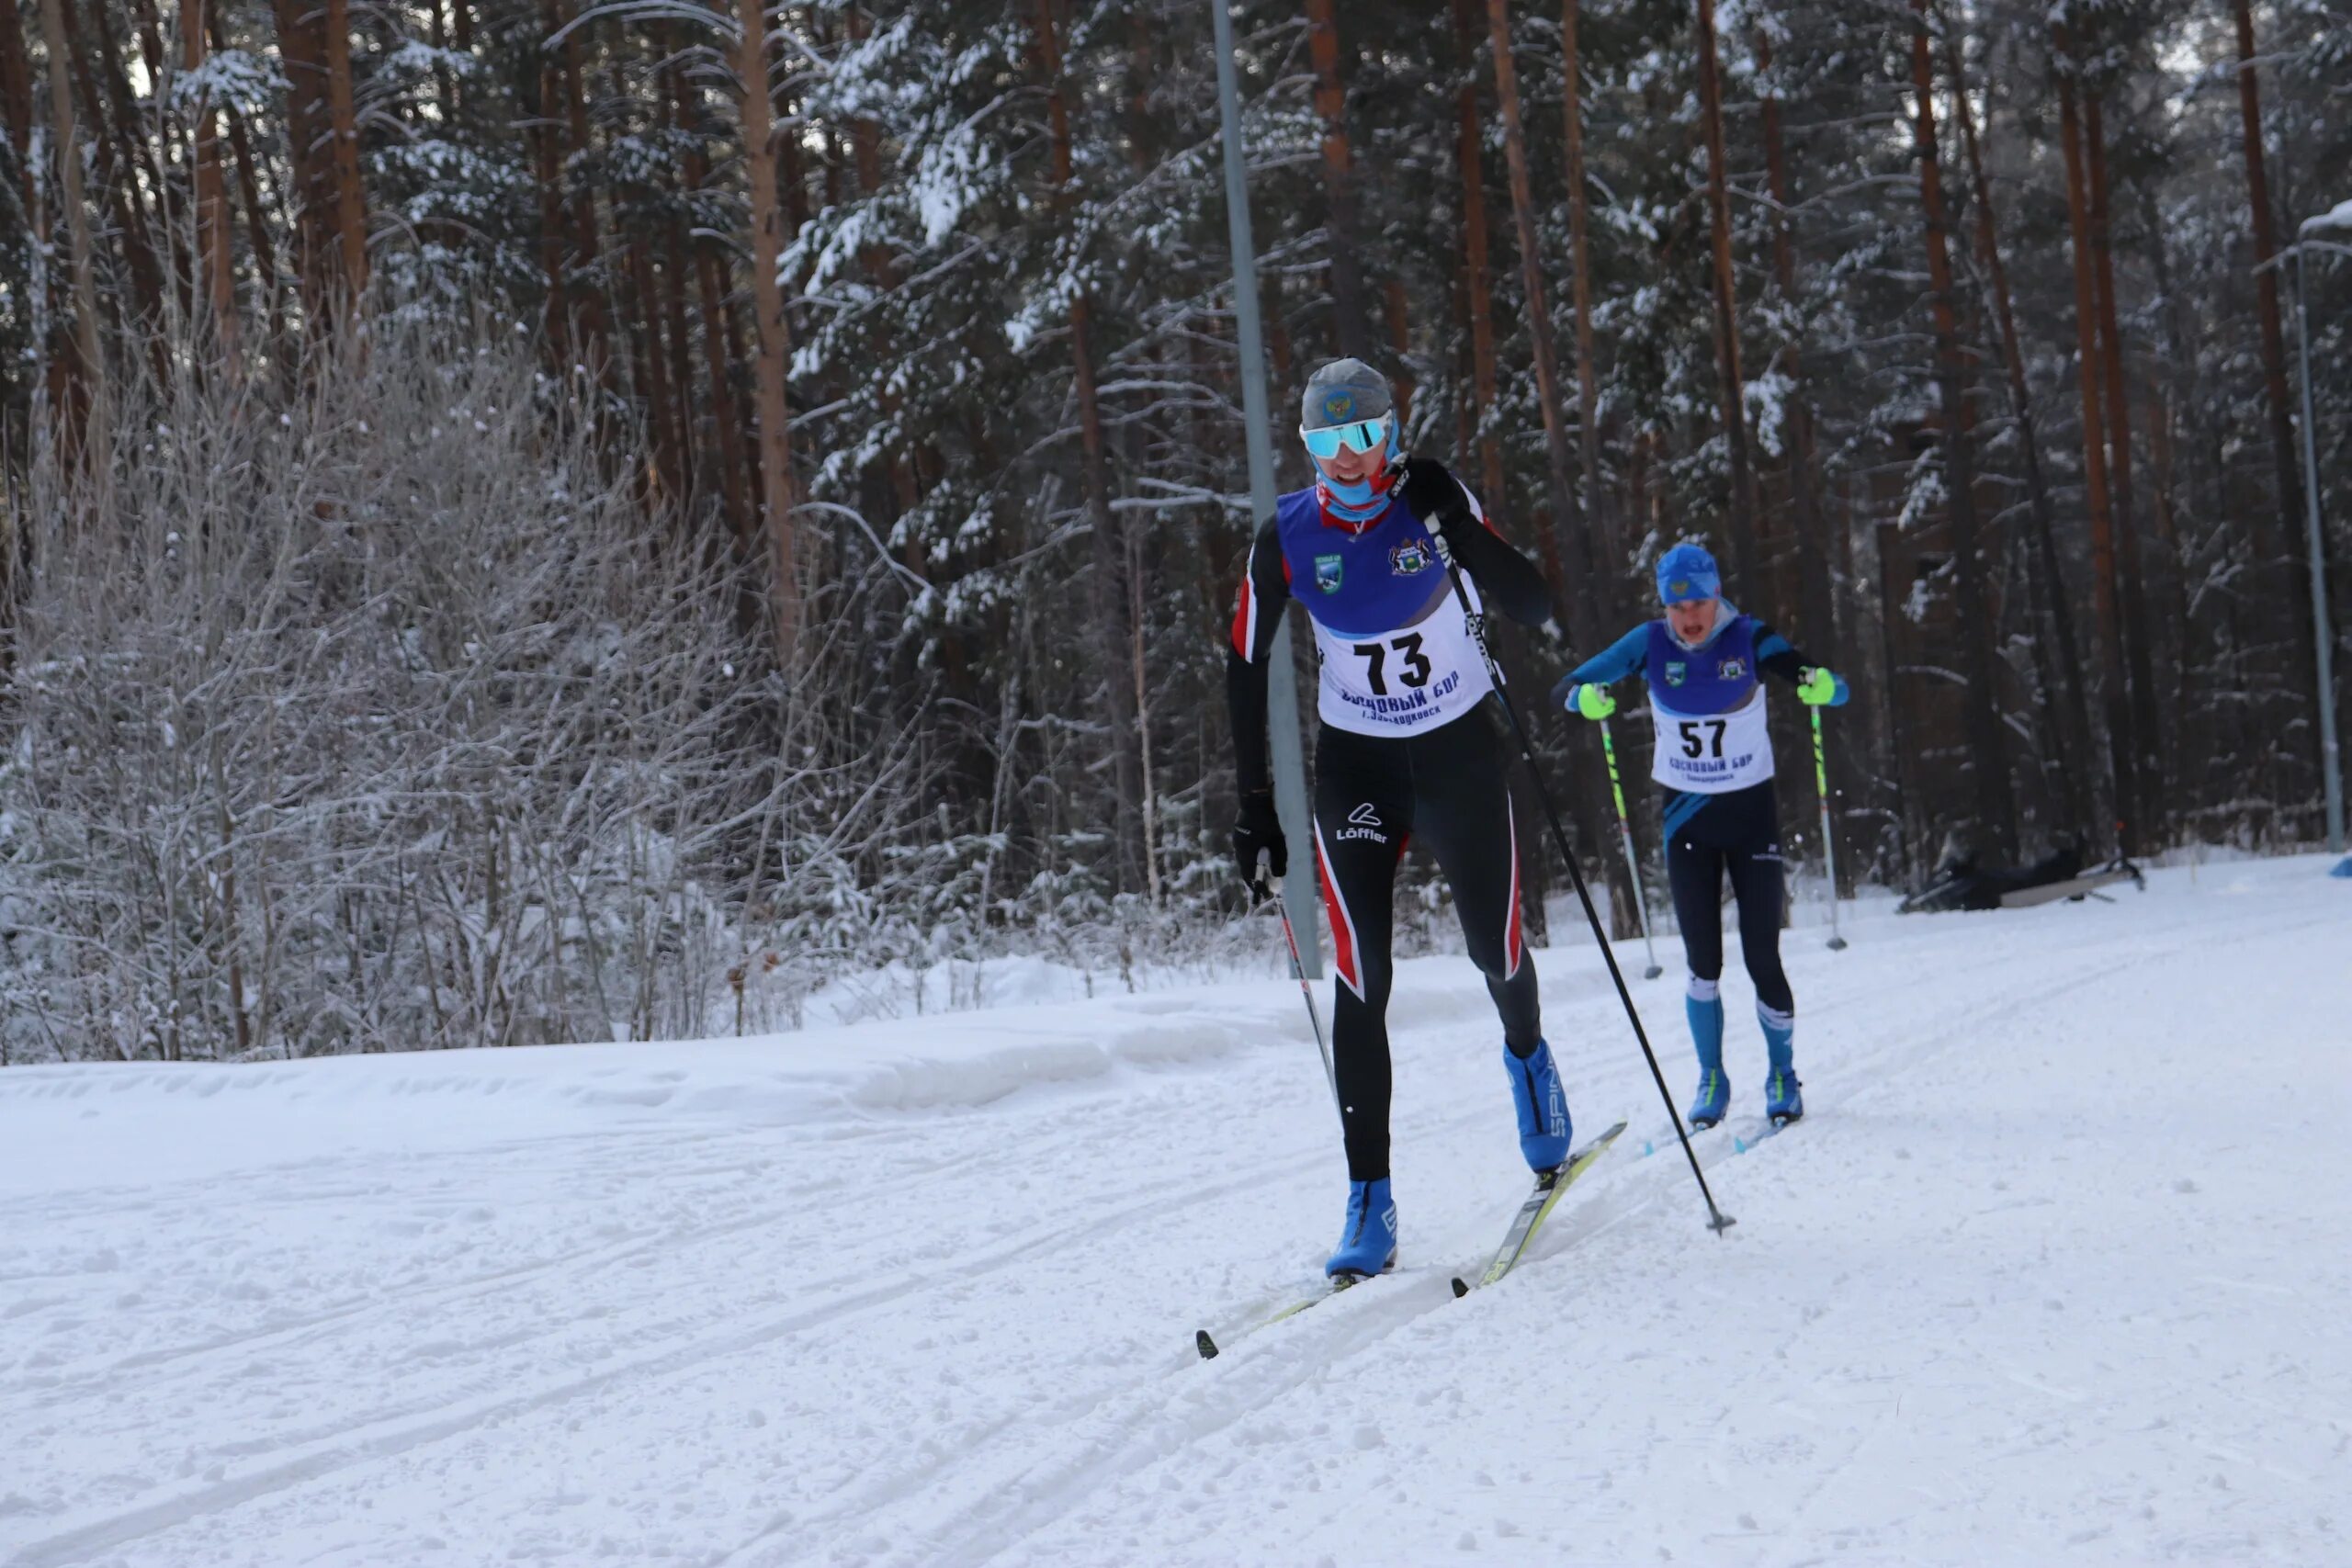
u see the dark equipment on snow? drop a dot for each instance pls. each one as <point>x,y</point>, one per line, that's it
<point>1964,884</point>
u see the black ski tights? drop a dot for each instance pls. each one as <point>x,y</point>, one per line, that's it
<point>1372,793</point>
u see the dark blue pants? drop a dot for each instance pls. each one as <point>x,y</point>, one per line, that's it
<point>1736,834</point>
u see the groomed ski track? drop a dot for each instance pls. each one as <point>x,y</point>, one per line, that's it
<point>2054,1272</point>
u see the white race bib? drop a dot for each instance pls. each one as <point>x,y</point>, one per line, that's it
<point>1403,682</point>
<point>1712,754</point>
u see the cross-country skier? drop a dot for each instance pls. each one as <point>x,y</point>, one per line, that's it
<point>1713,756</point>
<point>1408,749</point>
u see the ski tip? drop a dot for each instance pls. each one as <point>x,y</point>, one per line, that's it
<point>1205,1345</point>
<point>1460,1288</point>
<point>1648,1148</point>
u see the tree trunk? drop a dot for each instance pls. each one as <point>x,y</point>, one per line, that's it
<point>547,137</point>
<point>654,373</point>
<point>2075,750</point>
<point>2104,590</point>
<point>1105,587</point>
<point>212,196</point>
<point>711,300</point>
<point>16,110</point>
<point>1607,548</point>
<point>442,80</point>
<point>351,210</point>
<point>778,492</point>
<point>2148,755</point>
<point>90,371</point>
<point>1573,542</point>
<point>671,290</point>
<point>1470,151</point>
<point>136,152</point>
<point>1814,589</point>
<point>1746,565</point>
<point>2281,570</point>
<point>302,48</point>
<point>587,250</point>
<point>117,178</point>
<point>1400,344</point>
<point>865,142</point>
<point>1996,811</point>
<point>1567,519</point>
<point>1354,336</point>
<point>257,228</point>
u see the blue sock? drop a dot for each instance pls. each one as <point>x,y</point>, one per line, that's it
<point>1704,1005</point>
<point>1779,1036</point>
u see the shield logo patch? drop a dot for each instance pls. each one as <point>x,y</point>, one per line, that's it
<point>1411,559</point>
<point>1326,572</point>
<point>1675,669</point>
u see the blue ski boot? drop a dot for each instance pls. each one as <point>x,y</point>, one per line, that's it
<point>1707,1106</point>
<point>1368,1245</point>
<point>1542,1106</point>
<point>1781,1100</point>
<point>1705,1006</point>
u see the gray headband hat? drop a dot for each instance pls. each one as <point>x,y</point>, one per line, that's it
<point>1342,392</point>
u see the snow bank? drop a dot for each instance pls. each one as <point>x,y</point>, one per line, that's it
<point>58,1119</point>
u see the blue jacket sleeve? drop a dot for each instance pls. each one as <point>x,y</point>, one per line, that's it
<point>1775,655</point>
<point>1620,658</point>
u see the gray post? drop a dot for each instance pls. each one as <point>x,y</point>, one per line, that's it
<point>2330,761</point>
<point>1290,770</point>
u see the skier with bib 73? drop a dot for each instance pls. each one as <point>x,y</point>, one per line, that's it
<point>1701,660</point>
<point>1407,748</point>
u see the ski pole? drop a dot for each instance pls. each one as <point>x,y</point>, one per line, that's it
<point>1718,1221</point>
<point>1298,968</point>
<point>1633,864</point>
<point>1828,845</point>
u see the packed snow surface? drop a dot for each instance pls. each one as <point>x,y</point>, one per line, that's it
<point>2056,1271</point>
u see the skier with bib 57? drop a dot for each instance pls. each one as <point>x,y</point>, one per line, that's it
<point>1713,757</point>
<point>1407,748</point>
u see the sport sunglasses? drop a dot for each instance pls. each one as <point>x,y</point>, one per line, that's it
<point>1363,435</point>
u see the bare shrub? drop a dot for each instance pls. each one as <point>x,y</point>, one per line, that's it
<point>371,716</point>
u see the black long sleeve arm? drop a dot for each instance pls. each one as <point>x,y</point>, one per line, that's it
<point>1245,702</point>
<point>1506,578</point>
<point>1257,615</point>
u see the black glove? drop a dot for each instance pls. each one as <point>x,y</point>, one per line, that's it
<point>1256,828</point>
<point>1430,491</point>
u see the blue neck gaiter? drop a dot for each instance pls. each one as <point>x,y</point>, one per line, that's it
<point>1361,502</point>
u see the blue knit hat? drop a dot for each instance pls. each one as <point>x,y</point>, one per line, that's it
<point>1686,573</point>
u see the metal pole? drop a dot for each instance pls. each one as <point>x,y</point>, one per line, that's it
<point>1281,718</point>
<point>1828,839</point>
<point>2330,761</point>
<point>1633,862</point>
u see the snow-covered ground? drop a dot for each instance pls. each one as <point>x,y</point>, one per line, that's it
<point>2057,1271</point>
